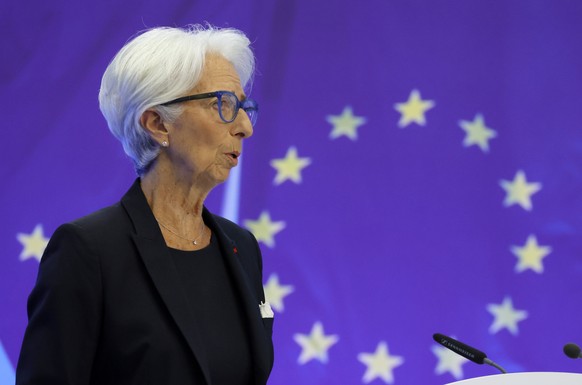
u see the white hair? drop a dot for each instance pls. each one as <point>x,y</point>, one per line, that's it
<point>157,66</point>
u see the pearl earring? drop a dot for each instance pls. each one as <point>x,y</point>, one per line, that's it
<point>164,144</point>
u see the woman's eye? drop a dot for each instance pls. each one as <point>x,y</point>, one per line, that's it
<point>228,104</point>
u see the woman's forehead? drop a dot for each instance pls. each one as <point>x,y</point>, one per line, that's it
<point>219,72</point>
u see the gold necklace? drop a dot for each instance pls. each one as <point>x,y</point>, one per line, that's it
<point>194,241</point>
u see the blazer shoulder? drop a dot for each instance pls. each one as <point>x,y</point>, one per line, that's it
<point>103,228</point>
<point>107,218</point>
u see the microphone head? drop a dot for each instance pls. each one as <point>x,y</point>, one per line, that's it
<point>572,350</point>
<point>460,348</point>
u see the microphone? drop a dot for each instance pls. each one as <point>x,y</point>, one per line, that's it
<point>466,351</point>
<point>572,350</point>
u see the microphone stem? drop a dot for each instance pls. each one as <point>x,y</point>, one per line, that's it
<point>489,362</point>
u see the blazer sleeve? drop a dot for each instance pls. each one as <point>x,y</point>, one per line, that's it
<point>64,313</point>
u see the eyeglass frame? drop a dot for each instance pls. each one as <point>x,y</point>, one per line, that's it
<point>245,105</point>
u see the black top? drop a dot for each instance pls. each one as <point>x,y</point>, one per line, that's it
<point>218,313</point>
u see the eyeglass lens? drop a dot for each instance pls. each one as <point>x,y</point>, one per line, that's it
<point>229,106</point>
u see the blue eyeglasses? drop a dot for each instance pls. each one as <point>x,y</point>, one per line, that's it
<point>228,105</point>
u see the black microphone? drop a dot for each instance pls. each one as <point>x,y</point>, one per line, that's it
<point>466,351</point>
<point>572,350</point>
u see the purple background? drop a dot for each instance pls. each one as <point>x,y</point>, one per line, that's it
<point>390,237</point>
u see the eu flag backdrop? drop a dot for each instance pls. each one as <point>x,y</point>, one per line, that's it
<point>416,168</point>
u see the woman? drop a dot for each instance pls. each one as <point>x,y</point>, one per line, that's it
<point>155,289</point>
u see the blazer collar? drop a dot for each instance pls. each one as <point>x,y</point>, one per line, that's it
<point>261,345</point>
<point>154,253</point>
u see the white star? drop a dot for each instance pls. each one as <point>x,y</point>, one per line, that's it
<point>264,229</point>
<point>275,292</point>
<point>449,361</point>
<point>289,168</point>
<point>315,345</point>
<point>413,110</point>
<point>380,364</point>
<point>530,255</point>
<point>34,243</point>
<point>519,191</point>
<point>345,124</point>
<point>477,133</point>
<point>505,316</point>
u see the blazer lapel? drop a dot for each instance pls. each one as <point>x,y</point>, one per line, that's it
<point>261,346</point>
<point>154,253</point>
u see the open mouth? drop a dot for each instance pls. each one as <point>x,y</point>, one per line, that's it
<point>234,154</point>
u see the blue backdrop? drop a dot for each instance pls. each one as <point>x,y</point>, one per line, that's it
<point>416,168</point>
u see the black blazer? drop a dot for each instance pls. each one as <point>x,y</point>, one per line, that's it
<point>107,307</point>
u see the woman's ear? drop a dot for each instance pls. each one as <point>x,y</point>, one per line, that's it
<point>152,122</point>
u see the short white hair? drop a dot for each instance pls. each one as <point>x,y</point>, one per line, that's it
<point>157,66</point>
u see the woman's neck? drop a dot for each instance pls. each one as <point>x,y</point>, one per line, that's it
<point>177,205</point>
<point>165,190</point>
